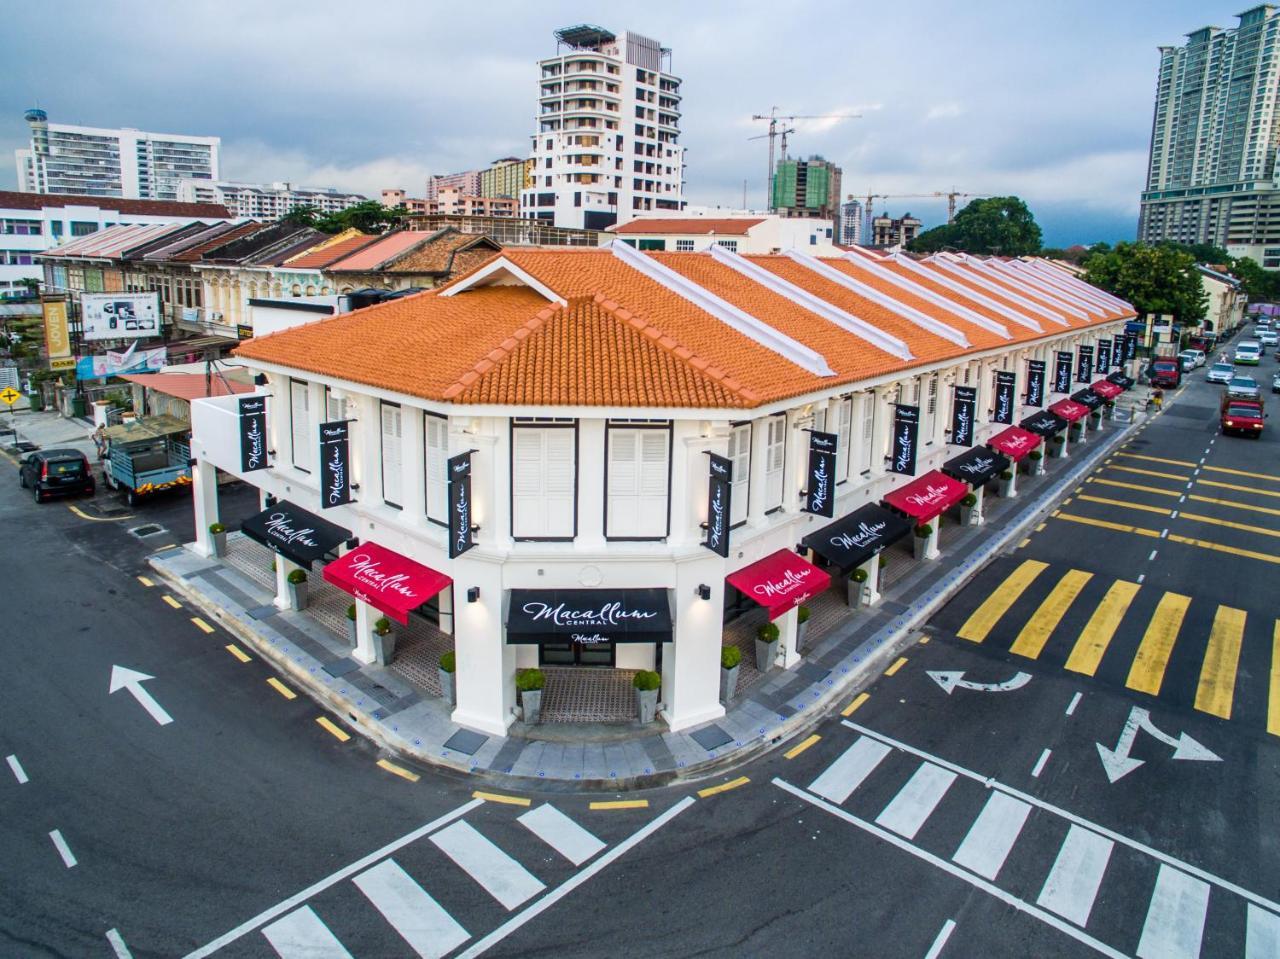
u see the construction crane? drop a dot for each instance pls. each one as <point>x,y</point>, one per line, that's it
<point>951,196</point>
<point>773,117</point>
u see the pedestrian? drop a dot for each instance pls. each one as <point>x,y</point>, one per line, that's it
<point>100,441</point>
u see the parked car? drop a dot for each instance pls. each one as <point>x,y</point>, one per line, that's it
<point>1268,337</point>
<point>1248,353</point>
<point>1187,362</point>
<point>1166,372</point>
<point>1275,383</point>
<point>1198,356</point>
<point>57,472</point>
<point>1242,416</point>
<point>1220,373</point>
<point>1242,386</point>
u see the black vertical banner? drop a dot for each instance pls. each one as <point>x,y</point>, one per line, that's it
<point>1084,364</point>
<point>1006,383</point>
<point>719,500</point>
<point>819,496</point>
<point>253,433</point>
<point>1035,382</point>
<point>1104,356</point>
<point>1062,373</point>
<point>459,480</point>
<point>335,464</point>
<point>1130,346</point>
<point>962,414</point>
<point>906,425</point>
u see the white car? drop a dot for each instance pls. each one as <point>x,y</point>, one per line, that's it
<point>1220,373</point>
<point>1248,352</point>
<point>1268,337</point>
<point>1197,357</point>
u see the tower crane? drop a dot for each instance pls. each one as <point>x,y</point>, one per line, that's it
<point>951,196</point>
<point>773,117</point>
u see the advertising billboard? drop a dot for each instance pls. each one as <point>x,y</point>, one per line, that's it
<point>57,340</point>
<point>120,316</point>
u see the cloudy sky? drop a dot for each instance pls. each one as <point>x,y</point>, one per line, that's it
<point>1051,102</point>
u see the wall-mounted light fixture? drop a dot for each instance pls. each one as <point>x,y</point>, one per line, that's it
<point>704,591</point>
<point>473,594</point>
<point>353,542</point>
<point>475,528</point>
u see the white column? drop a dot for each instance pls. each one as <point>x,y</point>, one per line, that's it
<point>882,432</point>
<point>687,460</point>
<point>789,647</point>
<point>283,568</point>
<point>366,447</point>
<point>204,497</point>
<point>978,492</point>
<point>795,462</point>
<point>485,677</point>
<point>931,541</point>
<point>691,663</point>
<point>871,588</point>
<point>366,616</point>
<point>591,481</point>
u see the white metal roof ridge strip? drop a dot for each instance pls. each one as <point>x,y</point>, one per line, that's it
<point>746,324</point>
<point>1044,289</point>
<point>915,289</point>
<point>846,321</point>
<point>993,268</point>
<point>1062,278</point>
<point>968,292</point>
<point>953,267</point>
<point>911,314</point>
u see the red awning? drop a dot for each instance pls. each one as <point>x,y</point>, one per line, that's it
<point>780,582</point>
<point>927,496</point>
<point>387,581</point>
<point>1069,410</point>
<point>1015,442</point>
<point>1106,389</point>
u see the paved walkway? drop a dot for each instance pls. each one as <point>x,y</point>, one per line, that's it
<point>403,717</point>
<point>48,429</point>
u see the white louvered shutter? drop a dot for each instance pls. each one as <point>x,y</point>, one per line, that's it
<point>844,434</point>
<point>543,473</point>
<point>561,477</point>
<point>392,441</point>
<point>304,440</point>
<point>775,451</point>
<point>437,453</point>
<point>740,455</point>
<point>638,473</point>
<point>865,451</point>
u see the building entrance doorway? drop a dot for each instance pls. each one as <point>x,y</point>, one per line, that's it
<point>576,654</point>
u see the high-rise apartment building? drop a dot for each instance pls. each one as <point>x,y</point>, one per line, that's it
<point>855,223</point>
<point>607,142</point>
<point>1212,176</point>
<point>807,188</point>
<point>95,161</point>
<point>505,178</point>
<point>894,232</point>
<point>467,182</point>
<point>265,201</point>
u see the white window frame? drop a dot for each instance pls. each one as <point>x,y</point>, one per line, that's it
<point>335,409</point>
<point>532,508</point>
<point>929,409</point>
<point>867,434</point>
<point>393,478</point>
<point>435,452</point>
<point>740,484</point>
<point>301,435</point>
<point>844,437</point>
<point>775,461</point>
<point>638,499</point>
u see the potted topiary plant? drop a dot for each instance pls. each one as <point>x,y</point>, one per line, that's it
<point>1057,445</point>
<point>646,683</point>
<point>920,541</point>
<point>1109,409</point>
<point>1095,420</point>
<point>1035,463</point>
<point>448,664</point>
<point>384,641</point>
<point>352,638</point>
<point>802,624</point>
<point>297,586</point>
<point>218,533</point>
<point>730,658</point>
<point>1006,483</point>
<point>529,683</point>
<point>855,587</point>
<point>969,515</point>
<point>766,646</point>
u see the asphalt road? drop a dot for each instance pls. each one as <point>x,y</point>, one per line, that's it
<point>925,823</point>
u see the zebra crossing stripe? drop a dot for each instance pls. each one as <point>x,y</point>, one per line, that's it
<point>1217,686</point>
<point>1073,881</point>
<point>500,875</point>
<point>561,833</point>
<point>1087,653</point>
<point>302,935</point>
<point>992,835</point>
<point>846,774</point>
<point>1261,934</point>
<point>1035,634</point>
<point>1146,674</point>
<point>985,617</point>
<point>420,920</point>
<point>913,804</point>
<point>1175,918</point>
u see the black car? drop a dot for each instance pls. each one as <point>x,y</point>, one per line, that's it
<point>56,472</point>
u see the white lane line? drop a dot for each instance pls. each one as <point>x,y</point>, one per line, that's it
<point>64,850</point>
<point>1175,918</point>
<point>302,935</point>
<point>421,921</point>
<point>990,888</point>
<point>1173,515</point>
<point>846,774</point>
<point>1075,701</point>
<point>1044,758</point>
<point>992,835</point>
<point>908,810</point>
<point>1152,555</point>
<point>359,865</point>
<point>1141,577</point>
<point>1261,934</point>
<point>561,833</point>
<point>943,935</point>
<point>1164,533</point>
<point>1182,498</point>
<point>122,951</point>
<point>569,885</point>
<point>501,876</point>
<point>1076,875</point>
<point>1191,484</point>
<point>19,773</point>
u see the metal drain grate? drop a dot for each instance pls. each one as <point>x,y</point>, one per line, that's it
<point>150,529</point>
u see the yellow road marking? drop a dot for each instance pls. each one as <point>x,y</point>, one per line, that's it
<point>1118,527</point>
<point>238,653</point>
<point>853,706</point>
<point>1273,699</point>
<point>1218,547</point>
<point>1231,472</point>
<point>1235,504</point>
<point>1226,522</point>
<point>281,688</point>
<point>96,519</point>
<point>1237,488</point>
<point>1156,459</point>
<point>145,581</point>
<point>334,729</point>
<point>1066,502</point>
<point>1134,486</point>
<point>797,749</point>
<point>398,770</point>
<point>201,624</point>
<point>1040,527</point>
<point>902,661</point>
<point>501,798</point>
<point>1089,649</point>
<point>923,640</point>
<point>1147,672</point>
<point>621,804</point>
<point>1142,472</point>
<point>724,787</point>
<point>1022,544</point>
<point>985,617</point>
<point>1217,685</point>
<point>1121,503</point>
<point>171,601</point>
<point>1031,640</point>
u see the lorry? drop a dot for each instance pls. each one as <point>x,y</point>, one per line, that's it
<point>1166,372</point>
<point>145,456</point>
<point>1242,416</point>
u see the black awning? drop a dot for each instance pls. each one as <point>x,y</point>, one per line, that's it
<point>853,540</point>
<point>1088,397</point>
<point>1119,379</point>
<point>1044,423</point>
<point>589,616</point>
<point>294,533</point>
<point>976,466</point>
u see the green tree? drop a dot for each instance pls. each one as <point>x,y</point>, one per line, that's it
<point>1202,252</point>
<point>1155,279</point>
<point>367,217</point>
<point>1000,225</point>
<point>1258,284</point>
<point>302,216</point>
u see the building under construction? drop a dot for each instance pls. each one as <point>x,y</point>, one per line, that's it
<point>808,188</point>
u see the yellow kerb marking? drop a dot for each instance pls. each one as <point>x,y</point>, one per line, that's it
<point>1231,472</point>
<point>1123,505</point>
<point>797,749</point>
<point>1136,486</point>
<point>1141,472</point>
<point>1262,531</point>
<point>621,804</point>
<point>1218,547</point>
<point>1118,527</point>
<point>1089,649</point>
<point>146,581</point>
<point>923,640</point>
<point>238,653</point>
<point>985,617</point>
<point>1273,699</point>
<point>1156,459</point>
<point>201,624</point>
<point>333,729</point>
<point>1234,504</point>
<point>398,770</point>
<point>902,661</point>
<point>281,688</point>
<point>853,706</point>
<point>501,798</point>
<point>723,787</point>
<point>1031,641</point>
<point>171,601</point>
<point>1238,489</point>
<point>1147,672</point>
<point>1022,544</point>
<point>1217,686</point>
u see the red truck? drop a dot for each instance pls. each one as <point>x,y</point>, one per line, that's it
<point>1166,372</point>
<point>1243,416</point>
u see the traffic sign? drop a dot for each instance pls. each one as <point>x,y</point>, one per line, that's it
<point>9,395</point>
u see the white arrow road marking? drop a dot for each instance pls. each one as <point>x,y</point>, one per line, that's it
<point>951,679</point>
<point>131,679</point>
<point>1117,763</point>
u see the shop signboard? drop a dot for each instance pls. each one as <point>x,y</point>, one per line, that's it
<point>253,433</point>
<point>719,498</point>
<point>589,616</point>
<point>906,425</point>
<point>962,414</point>
<point>1104,356</point>
<point>335,464</point>
<point>119,316</point>
<point>1006,384</point>
<point>819,495</point>
<point>1035,382</point>
<point>1062,373</point>
<point>1084,364</point>
<point>461,536</point>
<point>57,338</point>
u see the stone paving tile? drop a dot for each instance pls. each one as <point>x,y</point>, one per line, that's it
<point>573,760</point>
<point>530,760</point>
<point>658,752</point>
<point>507,755</point>
<point>594,763</point>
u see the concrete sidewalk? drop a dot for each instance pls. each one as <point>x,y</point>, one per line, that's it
<point>49,429</point>
<point>404,719</point>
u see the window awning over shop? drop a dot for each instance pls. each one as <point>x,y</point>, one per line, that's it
<point>927,497</point>
<point>1069,410</point>
<point>1106,389</point>
<point>1087,397</point>
<point>589,616</point>
<point>1120,380</point>
<point>1015,442</point>
<point>977,466</point>
<point>1044,423</point>
<point>294,533</point>
<point>853,540</point>
<point>387,581</point>
<point>779,582</point>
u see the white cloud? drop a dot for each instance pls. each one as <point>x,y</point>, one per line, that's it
<point>944,111</point>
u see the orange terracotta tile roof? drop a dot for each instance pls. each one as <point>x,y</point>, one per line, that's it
<point>318,259</point>
<point>372,255</point>
<point>691,226</point>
